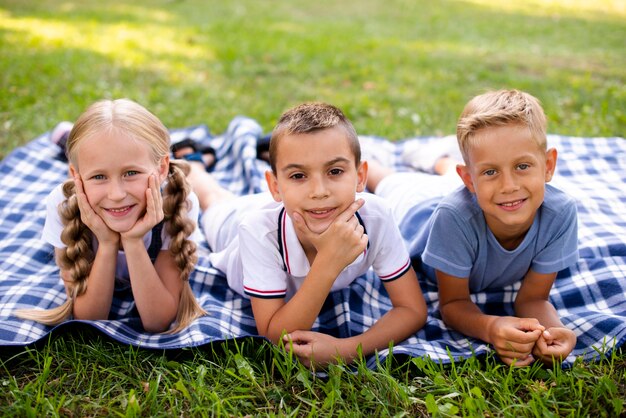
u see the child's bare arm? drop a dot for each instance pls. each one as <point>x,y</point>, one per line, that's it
<point>406,317</point>
<point>95,302</point>
<point>156,287</point>
<point>336,248</point>
<point>274,316</point>
<point>532,300</point>
<point>513,338</point>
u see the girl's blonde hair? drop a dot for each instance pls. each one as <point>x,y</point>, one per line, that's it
<point>499,108</point>
<point>137,123</point>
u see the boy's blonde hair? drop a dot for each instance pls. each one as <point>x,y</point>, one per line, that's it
<point>135,122</point>
<point>499,108</point>
<point>311,117</point>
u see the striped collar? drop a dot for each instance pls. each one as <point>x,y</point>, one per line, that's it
<point>294,258</point>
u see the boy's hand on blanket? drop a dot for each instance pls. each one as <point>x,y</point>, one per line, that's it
<point>154,212</point>
<point>313,348</point>
<point>514,339</point>
<point>342,242</point>
<point>554,344</point>
<point>90,218</point>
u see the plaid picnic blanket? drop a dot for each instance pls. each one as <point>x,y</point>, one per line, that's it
<point>590,296</point>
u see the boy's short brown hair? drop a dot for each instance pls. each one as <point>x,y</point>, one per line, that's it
<point>311,117</point>
<point>499,108</point>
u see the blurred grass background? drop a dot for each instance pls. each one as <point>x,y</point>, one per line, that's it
<point>398,68</point>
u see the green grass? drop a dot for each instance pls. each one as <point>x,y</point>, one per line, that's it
<point>398,68</point>
<point>93,377</point>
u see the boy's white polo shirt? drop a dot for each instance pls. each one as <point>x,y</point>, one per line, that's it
<point>265,259</point>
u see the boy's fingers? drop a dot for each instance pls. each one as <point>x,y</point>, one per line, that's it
<point>348,214</point>
<point>529,324</point>
<point>292,336</point>
<point>517,336</point>
<point>300,223</point>
<point>517,360</point>
<point>364,240</point>
<point>297,336</point>
<point>515,349</point>
<point>525,361</point>
<point>547,336</point>
<point>541,345</point>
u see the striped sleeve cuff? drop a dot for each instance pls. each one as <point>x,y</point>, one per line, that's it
<point>265,294</point>
<point>398,273</point>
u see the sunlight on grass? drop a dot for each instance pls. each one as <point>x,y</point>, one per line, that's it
<point>288,27</point>
<point>140,14</point>
<point>579,8</point>
<point>457,49</point>
<point>141,46</point>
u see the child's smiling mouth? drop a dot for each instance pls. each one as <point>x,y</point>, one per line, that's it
<point>119,211</point>
<point>320,213</point>
<point>510,206</point>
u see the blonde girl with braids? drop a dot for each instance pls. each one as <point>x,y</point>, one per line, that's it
<point>113,227</point>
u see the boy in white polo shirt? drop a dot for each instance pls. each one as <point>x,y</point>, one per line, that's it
<point>312,234</point>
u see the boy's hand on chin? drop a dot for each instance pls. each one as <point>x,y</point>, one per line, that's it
<point>344,239</point>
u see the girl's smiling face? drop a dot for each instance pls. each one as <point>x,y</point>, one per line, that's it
<point>115,170</point>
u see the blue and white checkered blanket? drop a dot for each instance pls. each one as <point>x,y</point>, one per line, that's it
<point>590,296</point>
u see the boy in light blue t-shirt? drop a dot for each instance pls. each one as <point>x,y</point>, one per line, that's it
<point>502,226</point>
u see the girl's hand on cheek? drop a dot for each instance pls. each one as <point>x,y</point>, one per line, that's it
<point>90,218</point>
<point>154,211</point>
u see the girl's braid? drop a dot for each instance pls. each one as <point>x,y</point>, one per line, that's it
<point>179,227</point>
<point>76,258</point>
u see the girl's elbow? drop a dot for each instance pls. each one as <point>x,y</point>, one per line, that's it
<point>88,315</point>
<point>156,325</point>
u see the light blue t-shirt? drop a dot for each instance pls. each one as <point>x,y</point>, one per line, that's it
<point>455,239</point>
